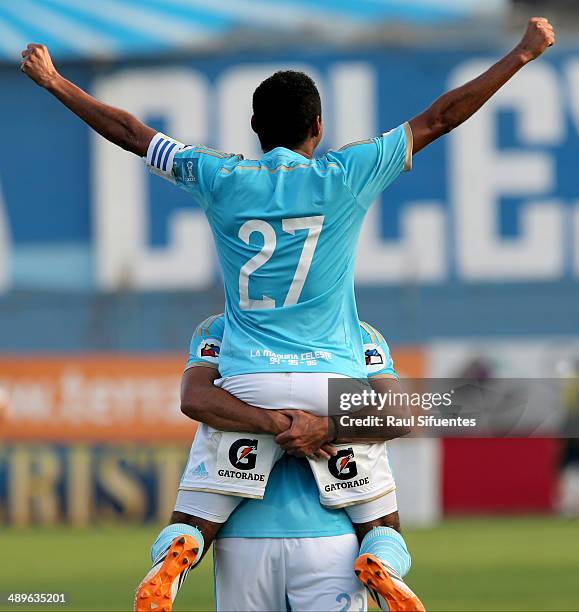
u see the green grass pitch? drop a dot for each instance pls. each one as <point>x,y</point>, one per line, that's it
<point>468,564</point>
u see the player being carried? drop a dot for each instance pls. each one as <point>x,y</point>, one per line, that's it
<point>286,229</point>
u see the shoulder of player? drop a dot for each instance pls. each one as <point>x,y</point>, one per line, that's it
<point>370,334</point>
<point>211,326</point>
<point>247,166</point>
<point>342,154</point>
<point>203,151</point>
<point>195,162</point>
<point>192,157</point>
<point>355,145</point>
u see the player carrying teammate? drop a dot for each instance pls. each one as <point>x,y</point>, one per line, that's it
<point>286,228</point>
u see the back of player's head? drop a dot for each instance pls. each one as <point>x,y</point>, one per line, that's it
<point>285,109</point>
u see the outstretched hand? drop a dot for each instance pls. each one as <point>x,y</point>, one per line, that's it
<point>308,435</point>
<point>37,64</point>
<point>539,36</point>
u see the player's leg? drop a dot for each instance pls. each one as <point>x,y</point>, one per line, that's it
<point>249,574</point>
<point>383,560</point>
<point>223,468</point>
<point>359,479</point>
<point>181,545</point>
<point>319,574</point>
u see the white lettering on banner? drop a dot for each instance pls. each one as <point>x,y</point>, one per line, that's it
<point>419,253</point>
<point>480,175</point>
<point>575,238</point>
<point>123,256</point>
<point>4,245</point>
<point>73,398</point>
<point>572,73</point>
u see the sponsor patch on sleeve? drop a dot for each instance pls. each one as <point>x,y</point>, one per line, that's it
<point>374,358</point>
<point>209,349</point>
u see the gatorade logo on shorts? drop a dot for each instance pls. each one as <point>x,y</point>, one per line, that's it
<point>243,454</point>
<point>343,466</point>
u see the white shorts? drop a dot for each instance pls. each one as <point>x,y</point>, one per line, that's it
<point>230,463</point>
<point>239,464</point>
<point>357,473</point>
<point>306,391</point>
<point>299,574</point>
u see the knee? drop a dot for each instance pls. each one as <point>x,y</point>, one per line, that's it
<point>207,528</point>
<point>392,521</point>
<point>182,517</point>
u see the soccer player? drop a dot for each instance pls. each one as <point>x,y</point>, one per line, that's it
<point>288,552</point>
<point>281,536</point>
<point>286,228</point>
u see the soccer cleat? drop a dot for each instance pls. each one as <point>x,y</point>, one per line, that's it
<point>389,591</point>
<point>159,587</point>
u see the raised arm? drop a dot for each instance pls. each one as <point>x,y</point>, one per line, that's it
<point>116,125</point>
<point>456,106</point>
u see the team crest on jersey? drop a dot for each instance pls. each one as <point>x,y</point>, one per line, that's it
<point>209,350</point>
<point>374,357</point>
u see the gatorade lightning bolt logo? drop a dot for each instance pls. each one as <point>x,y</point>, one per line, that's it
<point>342,466</point>
<point>343,463</point>
<point>245,450</point>
<point>243,454</point>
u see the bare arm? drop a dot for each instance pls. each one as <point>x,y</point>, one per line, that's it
<point>117,126</point>
<point>202,401</point>
<point>456,106</point>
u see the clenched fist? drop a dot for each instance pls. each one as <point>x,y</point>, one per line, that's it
<point>539,35</point>
<point>37,64</point>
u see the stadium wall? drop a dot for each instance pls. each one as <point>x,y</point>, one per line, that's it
<point>92,438</point>
<point>96,437</point>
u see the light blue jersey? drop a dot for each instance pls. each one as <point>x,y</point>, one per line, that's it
<point>286,230</point>
<point>291,505</point>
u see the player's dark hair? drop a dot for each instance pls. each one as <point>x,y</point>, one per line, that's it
<point>285,107</point>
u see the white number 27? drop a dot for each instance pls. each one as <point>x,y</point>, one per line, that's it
<point>314,227</point>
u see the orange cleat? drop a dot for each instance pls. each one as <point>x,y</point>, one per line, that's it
<point>159,587</point>
<point>390,592</point>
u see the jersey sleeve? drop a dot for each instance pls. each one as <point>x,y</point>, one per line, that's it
<point>192,168</point>
<point>379,363</point>
<point>371,165</point>
<point>205,343</point>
